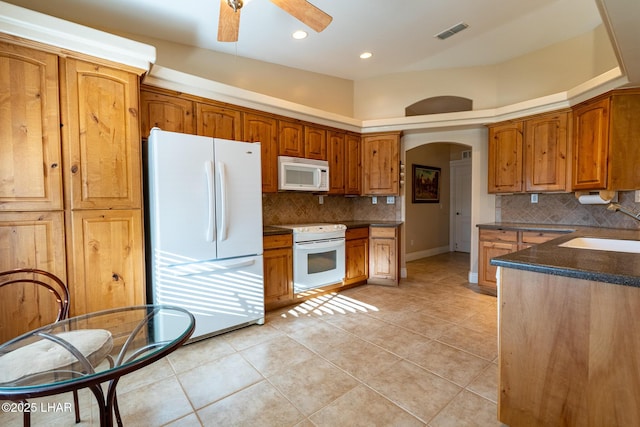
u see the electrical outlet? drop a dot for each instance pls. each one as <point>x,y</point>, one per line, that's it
<point>391,200</point>
<point>637,196</point>
<point>374,200</point>
<point>321,200</point>
<point>534,198</point>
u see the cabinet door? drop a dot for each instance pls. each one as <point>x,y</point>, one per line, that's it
<point>278,276</point>
<point>315,143</point>
<point>383,256</point>
<point>546,153</point>
<point>30,166</point>
<point>29,240</point>
<point>265,130</point>
<point>380,164</point>
<point>106,260</point>
<point>357,261</point>
<point>218,122</point>
<point>487,271</point>
<point>591,145</point>
<point>505,158</point>
<point>102,137</point>
<point>353,170</point>
<point>336,157</point>
<point>166,112</point>
<point>290,139</point>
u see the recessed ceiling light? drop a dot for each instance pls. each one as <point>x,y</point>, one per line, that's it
<point>299,35</point>
<point>366,55</point>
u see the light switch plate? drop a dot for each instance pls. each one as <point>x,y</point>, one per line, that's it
<point>534,198</point>
<point>374,200</point>
<point>391,200</point>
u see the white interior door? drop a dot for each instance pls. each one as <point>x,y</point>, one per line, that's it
<point>461,205</point>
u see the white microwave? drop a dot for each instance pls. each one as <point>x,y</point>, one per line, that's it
<point>298,174</point>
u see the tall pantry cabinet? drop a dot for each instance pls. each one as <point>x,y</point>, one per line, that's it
<point>70,175</point>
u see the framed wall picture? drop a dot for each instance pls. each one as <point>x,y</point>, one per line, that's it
<point>426,184</point>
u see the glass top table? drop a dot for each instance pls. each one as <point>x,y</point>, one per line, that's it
<point>88,350</point>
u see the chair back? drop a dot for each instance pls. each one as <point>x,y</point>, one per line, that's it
<point>30,298</point>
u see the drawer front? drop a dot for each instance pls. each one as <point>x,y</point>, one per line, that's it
<point>537,237</point>
<point>388,232</point>
<point>357,233</point>
<point>499,235</point>
<point>277,241</point>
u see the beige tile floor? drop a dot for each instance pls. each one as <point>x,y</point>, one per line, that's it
<point>424,353</point>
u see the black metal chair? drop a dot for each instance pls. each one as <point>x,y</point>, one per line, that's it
<point>58,290</point>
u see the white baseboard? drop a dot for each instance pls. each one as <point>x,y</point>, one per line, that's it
<point>412,256</point>
<point>403,273</point>
<point>473,277</point>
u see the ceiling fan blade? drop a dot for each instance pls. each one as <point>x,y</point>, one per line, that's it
<point>305,12</point>
<point>228,23</point>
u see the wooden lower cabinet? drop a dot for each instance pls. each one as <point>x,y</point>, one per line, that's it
<point>383,256</point>
<point>106,260</point>
<point>357,256</point>
<point>568,351</point>
<point>29,240</point>
<point>278,270</point>
<point>494,243</point>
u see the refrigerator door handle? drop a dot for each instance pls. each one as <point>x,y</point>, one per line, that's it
<point>222,172</point>
<point>208,167</point>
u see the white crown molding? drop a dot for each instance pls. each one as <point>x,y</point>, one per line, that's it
<point>27,24</point>
<point>182,82</point>
<point>187,83</point>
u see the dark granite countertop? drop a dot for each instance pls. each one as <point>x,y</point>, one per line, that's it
<point>273,230</point>
<point>602,266</point>
<point>374,223</point>
<point>519,226</point>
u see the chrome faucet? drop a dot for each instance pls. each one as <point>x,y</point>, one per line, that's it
<point>615,207</point>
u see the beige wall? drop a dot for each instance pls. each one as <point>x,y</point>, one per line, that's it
<point>311,89</point>
<point>550,70</point>
<point>427,224</point>
<point>554,69</point>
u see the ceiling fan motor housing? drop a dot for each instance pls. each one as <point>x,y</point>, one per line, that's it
<point>235,4</point>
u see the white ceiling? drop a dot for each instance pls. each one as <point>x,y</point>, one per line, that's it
<point>400,33</point>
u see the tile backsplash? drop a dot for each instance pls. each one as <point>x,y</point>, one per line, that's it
<point>300,208</point>
<point>564,209</point>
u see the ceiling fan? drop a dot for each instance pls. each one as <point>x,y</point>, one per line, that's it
<point>308,14</point>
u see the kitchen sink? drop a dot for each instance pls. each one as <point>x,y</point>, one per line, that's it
<point>598,244</point>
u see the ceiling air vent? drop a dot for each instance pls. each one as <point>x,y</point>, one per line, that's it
<point>451,31</point>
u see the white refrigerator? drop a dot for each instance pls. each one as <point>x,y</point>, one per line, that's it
<point>205,224</point>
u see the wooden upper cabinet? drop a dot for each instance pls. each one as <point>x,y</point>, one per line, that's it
<point>352,170</point>
<point>545,156</point>
<point>505,157</point>
<point>30,154</point>
<point>315,143</point>
<point>218,122</point>
<point>336,158</point>
<point>380,164</point>
<point>290,139</point>
<point>102,137</point>
<point>166,112</point>
<point>263,129</point>
<point>605,144</point>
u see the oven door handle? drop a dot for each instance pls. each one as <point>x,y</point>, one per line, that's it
<point>324,244</point>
